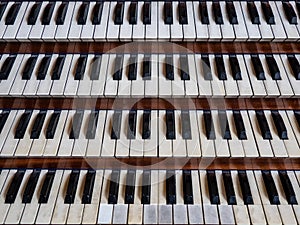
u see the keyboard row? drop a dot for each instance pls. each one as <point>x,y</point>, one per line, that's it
<point>150,75</point>
<point>161,20</point>
<point>150,133</point>
<point>149,197</point>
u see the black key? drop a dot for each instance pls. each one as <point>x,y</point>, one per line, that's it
<point>168,13</point>
<point>212,187</point>
<point>171,187</point>
<point>273,68</point>
<point>231,12</point>
<point>287,187</point>
<point>146,124</point>
<point>7,66</point>
<point>146,187</point>
<point>220,67</point>
<point>72,187</point>
<point>268,13</point>
<point>295,66</point>
<point>14,187</point>
<point>12,13</point>
<point>206,67</point>
<point>187,187</point>
<point>130,186</point>
<point>3,6</point>
<point>263,125</point>
<point>95,67</point>
<point>92,125</point>
<point>183,18</point>
<point>209,125</point>
<point>147,67</point>
<point>80,69</point>
<point>184,67</point>
<point>30,186</point>
<point>33,14</point>
<point>114,187</point>
<point>270,187</point>
<point>83,13</point>
<point>46,188</point>
<point>22,124</point>
<point>29,66</point>
<point>245,187</point>
<point>147,13</point>
<point>61,13</point>
<point>47,14</point>
<point>203,12</point>
<point>235,67</point>
<point>259,71</point>
<point>253,12</point>
<point>279,124</point>
<point>230,195</point>
<point>43,67</point>
<point>297,115</point>
<point>97,13</point>
<point>119,13</point>
<point>52,125</point>
<point>170,124</point>
<point>133,13</point>
<point>59,64</point>
<point>88,187</point>
<point>76,125</point>
<point>38,124</point>
<point>225,131</point>
<point>132,67</point>
<point>169,67</point>
<point>186,125</point>
<point>289,12</point>
<point>3,118</point>
<point>131,132</point>
<point>117,75</point>
<point>239,125</point>
<point>116,125</point>
<point>217,12</point>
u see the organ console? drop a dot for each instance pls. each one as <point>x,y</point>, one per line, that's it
<point>149,112</point>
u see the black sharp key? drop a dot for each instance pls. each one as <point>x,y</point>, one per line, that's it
<point>203,12</point>
<point>116,125</point>
<point>7,66</point>
<point>46,188</point>
<point>170,124</point>
<point>38,124</point>
<point>289,12</point>
<point>114,187</point>
<point>169,67</point>
<point>61,13</point>
<point>187,187</point>
<point>220,67</point>
<point>263,125</point>
<point>268,13</point>
<point>147,67</point>
<point>184,67</point>
<point>3,118</point>
<point>295,66</point>
<point>29,66</point>
<point>146,124</point>
<point>95,67</point>
<point>59,64</point>
<point>270,187</point>
<point>83,13</point>
<point>297,116</point>
<point>131,132</point>
<point>119,13</point>
<point>168,13</point>
<point>259,71</point>
<point>30,186</point>
<point>183,18</point>
<point>97,13</point>
<point>12,13</point>
<point>287,187</point>
<point>186,125</point>
<point>47,14</point>
<point>51,128</point>
<point>212,187</point>
<point>245,187</point>
<point>225,131</point>
<point>80,69</point>
<point>253,12</point>
<point>217,12</point>
<point>14,186</point>
<point>239,125</point>
<point>235,67</point>
<point>147,13</point>
<point>132,67</point>
<point>279,124</point>
<point>209,125</point>
<point>171,187</point>
<point>133,13</point>
<point>231,199</point>
<point>146,187</point>
<point>88,187</point>
<point>273,68</point>
<point>3,6</point>
<point>206,67</point>
<point>231,12</point>
<point>76,125</point>
<point>43,67</point>
<point>130,186</point>
<point>117,75</point>
<point>33,14</point>
<point>92,125</point>
<point>72,187</point>
<point>22,124</point>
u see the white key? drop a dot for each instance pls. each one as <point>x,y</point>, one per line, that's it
<point>136,145</point>
<point>201,29</point>
<point>123,143</point>
<point>179,144</point>
<point>2,22</point>
<point>195,214</point>
<point>151,86</point>
<point>124,87</point>
<point>292,175</point>
<point>164,30</point>
<point>230,84</point>
<point>63,30</point>
<point>228,32</point>
<point>150,147</point>
<point>66,144</point>
<point>164,211</point>
<point>150,210</point>
<point>217,85</point>
<point>126,28</point>
<point>177,83</point>
<point>214,30</point>
<point>108,145</point>
<point>105,210</point>
<point>297,13</point>
<point>75,28</point>
<point>240,29</point>
<point>151,30</point>
<point>71,86</point>
<point>294,124</point>
<point>164,85</point>
<point>8,127</point>
<point>24,29</point>
<point>113,29</point>
<point>85,85</point>
<point>244,85</point>
<point>99,35</point>
<point>265,29</point>
<point>111,85</point>
<point>137,86</point>
<point>50,29</point>
<point>165,145</point>
<point>189,30</point>
<point>204,85</point>
<point>80,144</point>
<point>193,145</point>
<point>37,29</point>
<point>176,29</point>
<point>235,145</point>
<point>87,30</point>
<point>135,211</point>
<point>191,87</point>
<point>138,29</point>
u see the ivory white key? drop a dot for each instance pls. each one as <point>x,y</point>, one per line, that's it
<point>189,30</point>
<point>111,85</point>
<point>24,29</point>
<point>195,214</point>
<point>87,30</point>
<point>123,143</point>
<point>179,209</point>
<point>293,178</point>
<point>235,145</point>
<point>177,83</point>
<point>151,86</point>
<point>191,87</point>
<point>165,145</point>
<point>231,87</point>
<point>7,128</point>
<point>294,124</point>
<point>99,35</point>
<point>201,29</point>
<point>165,215</point>
<point>164,30</point>
<point>240,29</point>
<point>105,210</point>
<point>138,29</point>
<point>176,29</point>
<point>217,85</point>
<point>71,85</point>
<point>136,145</point>
<point>164,85</point>
<point>80,144</point>
<point>150,147</point>
<point>50,29</point>
<point>135,211</point>
<point>151,210</point>
<point>228,32</point>
<point>120,211</point>
<point>264,27</point>
<point>97,89</point>
<point>293,3</point>
<point>193,145</point>
<point>151,30</point>
<point>204,85</point>
<point>178,144</point>
<point>138,85</point>
<point>75,28</point>
<point>126,28</point>
<point>244,85</point>
<point>108,144</point>
<point>214,30</point>
<point>63,30</point>
<point>112,28</point>
<point>85,85</point>
<point>3,26</point>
